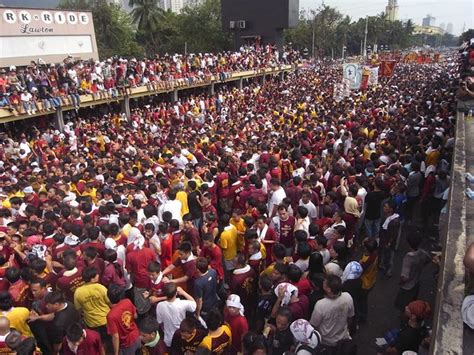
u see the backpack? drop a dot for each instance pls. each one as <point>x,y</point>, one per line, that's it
<point>319,349</point>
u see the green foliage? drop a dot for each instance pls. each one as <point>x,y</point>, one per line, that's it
<point>466,36</point>
<point>332,31</point>
<point>150,30</point>
<point>114,31</point>
<point>197,28</point>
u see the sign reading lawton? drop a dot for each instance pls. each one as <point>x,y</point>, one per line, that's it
<point>52,35</point>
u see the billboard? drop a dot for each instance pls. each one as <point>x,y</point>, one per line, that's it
<point>52,35</point>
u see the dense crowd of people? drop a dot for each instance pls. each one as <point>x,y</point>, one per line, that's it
<point>252,221</point>
<point>41,87</point>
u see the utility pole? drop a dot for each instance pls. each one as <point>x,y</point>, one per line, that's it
<point>312,43</point>
<point>365,36</point>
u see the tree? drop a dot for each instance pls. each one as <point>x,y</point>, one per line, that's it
<point>115,34</point>
<point>201,28</point>
<point>146,15</point>
<point>332,31</point>
<point>466,36</point>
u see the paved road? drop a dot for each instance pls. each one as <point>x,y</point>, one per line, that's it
<point>383,316</point>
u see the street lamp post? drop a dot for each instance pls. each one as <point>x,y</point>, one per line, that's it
<point>365,36</point>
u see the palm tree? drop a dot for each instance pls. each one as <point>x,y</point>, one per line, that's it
<point>146,15</point>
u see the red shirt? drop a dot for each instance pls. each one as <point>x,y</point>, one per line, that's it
<point>19,292</point>
<point>166,251</point>
<point>303,286</point>
<point>137,262</point>
<point>91,345</point>
<point>121,320</point>
<point>239,326</point>
<point>214,256</point>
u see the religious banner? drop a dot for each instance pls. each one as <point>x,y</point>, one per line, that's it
<point>365,78</point>
<point>387,68</point>
<point>353,73</point>
<point>342,90</point>
<point>374,76</point>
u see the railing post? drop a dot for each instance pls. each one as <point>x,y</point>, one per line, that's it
<point>126,106</point>
<point>59,119</point>
<point>211,89</point>
<point>174,95</point>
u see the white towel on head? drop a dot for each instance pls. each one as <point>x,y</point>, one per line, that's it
<point>138,242</point>
<point>467,311</point>
<point>290,290</point>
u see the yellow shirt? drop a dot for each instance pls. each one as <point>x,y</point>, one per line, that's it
<point>91,299</point>
<point>228,242</point>
<point>240,226</point>
<point>218,344</point>
<point>369,276</point>
<point>18,319</point>
<point>182,197</point>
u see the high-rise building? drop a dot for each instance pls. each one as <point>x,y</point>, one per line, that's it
<point>442,25</point>
<point>449,28</point>
<point>391,10</point>
<point>177,5</point>
<point>429,20</point>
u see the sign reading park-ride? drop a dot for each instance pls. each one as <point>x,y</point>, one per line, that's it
<point>52,35</point>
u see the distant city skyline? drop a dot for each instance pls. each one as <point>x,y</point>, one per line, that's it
<point>457,12</point>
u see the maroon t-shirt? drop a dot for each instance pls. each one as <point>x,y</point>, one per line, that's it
<point>189,269</point>
<point>99,264</point>
<point>244,285</point>
<point>300,309</point>
<point>286,232</point>
<point>99,246</point>
<point>69,284</point>
<point>91,345</point>
<point>214,256</point>
<point>137,262</point>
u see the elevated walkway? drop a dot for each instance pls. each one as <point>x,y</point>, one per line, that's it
<point>173,88</point>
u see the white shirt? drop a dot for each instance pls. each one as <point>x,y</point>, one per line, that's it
<point>173,206</point>
<point>312,210</point>
<point>180,161</point>
<point>170,314</point>
<point>330,318</point>
<point>276,199</point>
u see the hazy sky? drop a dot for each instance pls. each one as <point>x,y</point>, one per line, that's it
<point>457,12</point>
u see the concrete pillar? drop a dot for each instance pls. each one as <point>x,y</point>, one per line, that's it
<point>282,75</point>
<point>211,89</point>
<point>174,95</point>
<point>241,83</point>
<point>59,119</point>
<point>264,79</point>
<point>126,106</point>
